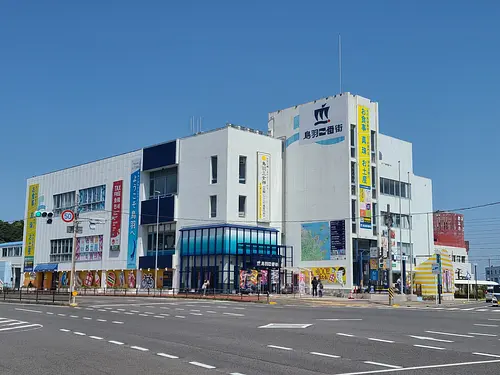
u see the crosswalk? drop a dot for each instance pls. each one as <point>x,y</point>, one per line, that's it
<point>13,325</point>
<point>480,309</point>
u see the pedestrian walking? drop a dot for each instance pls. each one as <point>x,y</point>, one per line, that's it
<point>204,288</point>
<point>320,288</point>
<point>315,286</point>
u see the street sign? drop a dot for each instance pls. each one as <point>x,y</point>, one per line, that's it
<point>435,268</point>
<point>68,216</point>
<point>75,293</point>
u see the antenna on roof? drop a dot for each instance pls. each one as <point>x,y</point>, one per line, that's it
<point>340,63</point>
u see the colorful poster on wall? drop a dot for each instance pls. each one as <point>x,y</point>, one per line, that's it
<point>315,241</point>
<point>147,281</point>
<point>248,279</point>
<point>110,279</point>
<point>131,279</point>
<point>263,187</point>
<point>116,216</point>
<point>322,121</point>
<point>133,223</point>
<point>30,238</point>
<point>364,167</point>
<point>330,275</point>
<point>89,248</point>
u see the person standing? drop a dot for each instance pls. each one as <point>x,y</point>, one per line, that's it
<point>204,288</point>
<point>320,287</point>
<point>315,286</point>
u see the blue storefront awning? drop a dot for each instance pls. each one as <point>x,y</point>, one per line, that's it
<point>46,267</point>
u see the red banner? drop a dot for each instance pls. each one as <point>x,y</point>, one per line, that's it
<point>116,216</point>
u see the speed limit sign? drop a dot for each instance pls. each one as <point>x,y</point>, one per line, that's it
<point>68,216</point>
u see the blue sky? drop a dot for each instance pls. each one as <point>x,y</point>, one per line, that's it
<point>86,80</point>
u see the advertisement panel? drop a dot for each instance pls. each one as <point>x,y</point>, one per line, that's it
<point>116,216</point>
<point>89,248</point>
<point>321,121</point>
<point>133,223</point>
<point>364,167</point>
<point>324,240</point>
<point>263,187</point>
<point>330,275</point>
<point>30,238</point>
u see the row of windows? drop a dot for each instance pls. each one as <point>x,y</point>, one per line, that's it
<point>166,239</point>
<point>397,219</point>
<point>242,169</point>
<point>395,188</point>
<point>459,259</point>
<point>61,250</point>
<point>163,182</point>
<point>14,251</point>
<point>90,199</point>
<point>242,206</point>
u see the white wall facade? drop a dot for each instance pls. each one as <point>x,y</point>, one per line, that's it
<point>460,260</point>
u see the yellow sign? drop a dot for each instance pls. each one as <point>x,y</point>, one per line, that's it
<point>30,239</point>
<point>330,275</point>
<point>364,167</point>
<point>75,293</point>
<point>263,187</point>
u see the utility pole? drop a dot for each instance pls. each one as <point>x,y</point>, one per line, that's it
<point>388,223</point>
<point>73,254</point>
<point>489,266</point>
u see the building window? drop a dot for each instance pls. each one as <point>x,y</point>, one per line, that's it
<point>166,239</point>
<point>374,177</point>
<point>64,201</point>
<point>213,206</point>
<point>372,140</point>
<point>163,182</point>
<point>395,188</point>
<point>397,219</point>
<point>353,211</point>
<point>353,141</point>
<point>296,122</point>
<point>243,170</point>
<point>213,169</point>
<point>14,251</point>
<point>92,199</point>
<point>61,250</point>
<point>242,202</point>
<point>353,172</point>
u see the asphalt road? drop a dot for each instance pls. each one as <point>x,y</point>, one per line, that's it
<point>124,336</point>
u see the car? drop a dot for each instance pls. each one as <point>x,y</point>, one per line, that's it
<point>489,295</point>
<point>494,299</point>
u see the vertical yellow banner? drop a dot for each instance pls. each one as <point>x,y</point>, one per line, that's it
<point>30,238</point>
<point>364,167</point>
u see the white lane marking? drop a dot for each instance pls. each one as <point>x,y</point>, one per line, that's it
<point>382,364</point>
<point>142,315</point>
<point>453,308</point>
<point>78,308</point>
<point>338,320</point>
<point>101,320</point>
<point>233,314</point>
<point>236,373</point>
<point>195,310</point>
<point>177,308</point>
<point>128,313</point>
<point>485,325</point>
<point>159,316</point>
<point>149,312</point>
<point>61,314</point>
<point>102,310</point>
<point>487,355</point>
<point>9,321</point>
<point>469,309</point>
<point>380,340</point>
<point>121,309</point>
<point>325,355</point>
<point>79,333</point>
<point>239,308</point>
<point>180,316</point>
<point>89,309</point>
<point>429,338</point>
<point>134,311</point>
<point>482,334</point>
<point>449,334</point>
<point>284,325</point>
<point>115,342</point>
<point>167,355</point>
<point>164,314</point>
<point>20,327</point>
<point>116,312</point>
<point>345,334</point>
<point>116,322</point>
<point>139,348</point>
<point>279,347</point>
<point>164,308</point>
<point>64,330</point>
<point>211,312</point>
<point>15,323</point>
<point>422,367</point>
<point>198,314</point>
<point>482,310</point>
<point>96,337</point>
<point>49,313</point>
<point>28,310</point>
<point>74,316</point>
<point>86,318</point>
<point>199,364</point>
<point>108,308</point>
<point>496,320</point>
<point>429,347</point>
<point>149,307</point>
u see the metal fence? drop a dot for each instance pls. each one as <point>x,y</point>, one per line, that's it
<point>32,295</point>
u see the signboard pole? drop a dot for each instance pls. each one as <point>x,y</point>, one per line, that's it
<point>73,254</point>
<point>388,222</point>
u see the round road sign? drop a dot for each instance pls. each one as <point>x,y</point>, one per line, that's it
<point>68,216</point>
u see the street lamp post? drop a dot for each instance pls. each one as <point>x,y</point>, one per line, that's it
<point>157,235</point>
<point>475,278</point>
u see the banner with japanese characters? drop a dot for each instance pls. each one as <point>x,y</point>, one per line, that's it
<point>116,216</point>
<point>263,187</point>
<point>364,168</point>
<point>133,221</point>
<point>30,232</point>
<point>323,120</point>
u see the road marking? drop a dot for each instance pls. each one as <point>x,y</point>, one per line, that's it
<point>239,308</point>
<point>149,312</point>
<point>429,338</point>
<point>199,364</point>
<point>422,367</point>
<point>177,308</point>
<point>236,373</point>
<point>149,307</point>
<point>102,310</point>
<point>482,310</point>
<point>64,330</point>
<point>380,340</point>
<point>164,308</point>
<point>88,308</point>
<point>487,355</point>
<point>345,334</point>
<point>283,325</point>
<point>211,312</point>
<point>469,309</point>
<point>485,325</point>
<point>180,316</point>
<point>116,312</point>
<point>115,342</point>
<point>139,348</point>
<point>338,320</point>
<point>429,347</point>
<point>482,334</point>
<point>86,318</point>
<point>159,316</point>
<point>49,313</point>
<point>167,355</point>
<point>382,364</point>
<point>74,316</point>
<point>96,337</point>
<point>101,320</point>
<point>20,327</point>
<point>325,355</point>
<point>142,315</point>
<point>449,334</point>
<point>116,322</point>
<point>61,314</point>
<point>79,333</point>
<point>16,322</point>
<point>164,314</point>
<point>121,309</point>
<point>496,320</point>
<point>135,311</point>
<point>233,314</point>
<point>9,321</point>
<point>279,347</point>
<point>128,313</point>
<point>195,310</point>
<point>28,310</point>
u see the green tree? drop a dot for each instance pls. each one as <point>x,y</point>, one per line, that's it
<point>11,232</point>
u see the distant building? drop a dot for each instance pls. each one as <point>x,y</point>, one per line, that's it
<point>493,273</point>
<point>12,254</point>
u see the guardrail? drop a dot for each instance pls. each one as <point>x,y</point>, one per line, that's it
<point>32,295</point>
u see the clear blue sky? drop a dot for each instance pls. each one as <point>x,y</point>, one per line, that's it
<point>85,80</point>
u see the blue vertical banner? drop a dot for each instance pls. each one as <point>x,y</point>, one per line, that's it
<point>133,221</point>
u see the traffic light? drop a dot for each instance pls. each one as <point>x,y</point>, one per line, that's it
<point>46,215</point>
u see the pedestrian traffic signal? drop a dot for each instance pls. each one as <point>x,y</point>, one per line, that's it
<point>46,215</point>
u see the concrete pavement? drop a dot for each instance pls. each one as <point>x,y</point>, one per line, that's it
<point>129,335</point>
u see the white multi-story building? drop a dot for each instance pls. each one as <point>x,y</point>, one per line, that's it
<point>11,263</point>
<point>237,207</point>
